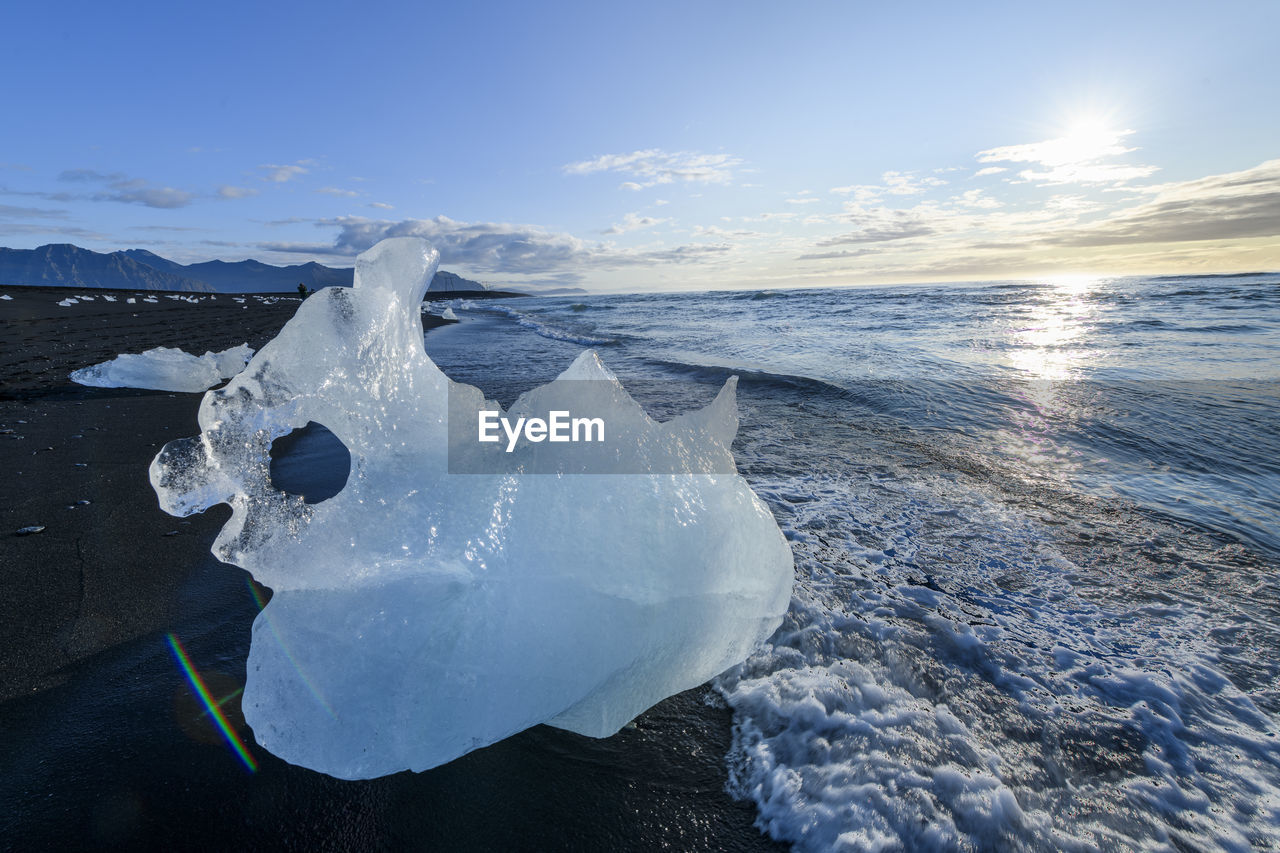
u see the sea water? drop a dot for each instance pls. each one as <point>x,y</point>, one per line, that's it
<point>1036,542</point>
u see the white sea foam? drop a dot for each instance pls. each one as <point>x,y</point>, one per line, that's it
<point>941,683</point>
<point>543,328</point>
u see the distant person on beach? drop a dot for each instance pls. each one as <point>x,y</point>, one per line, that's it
<point>302,290</point>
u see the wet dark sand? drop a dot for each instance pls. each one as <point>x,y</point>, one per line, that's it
<point>105,746</point>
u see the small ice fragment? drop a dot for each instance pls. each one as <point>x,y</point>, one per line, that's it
<point>165,369</point>
<point>68,302</point>
<point>27,531</point>
<point>131,301</point>
<point>6,297</point>
<point>447,314</point>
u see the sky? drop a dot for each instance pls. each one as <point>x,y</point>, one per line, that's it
<point>654,146</point>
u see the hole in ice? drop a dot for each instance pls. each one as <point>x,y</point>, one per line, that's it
<point>310,461</point>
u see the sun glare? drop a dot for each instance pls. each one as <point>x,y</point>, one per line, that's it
<point>1087,140</point>
<point>1072,283</point>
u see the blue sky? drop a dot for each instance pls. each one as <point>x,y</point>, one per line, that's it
<point>658,145</point>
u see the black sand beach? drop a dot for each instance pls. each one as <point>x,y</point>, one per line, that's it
<point>106,746</point>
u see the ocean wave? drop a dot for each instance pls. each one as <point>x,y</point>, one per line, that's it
<point>545,329</point>
<point>748,376</point>
<point>945,680</point>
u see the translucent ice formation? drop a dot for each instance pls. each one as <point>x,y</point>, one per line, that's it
<point>418,615</point>
<point>165,369</point>
<point>447,314</point>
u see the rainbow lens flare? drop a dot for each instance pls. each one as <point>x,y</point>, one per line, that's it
<point>271,626</point>
<point>215,710</point>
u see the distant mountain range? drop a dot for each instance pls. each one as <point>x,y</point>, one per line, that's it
<point>65,265</point>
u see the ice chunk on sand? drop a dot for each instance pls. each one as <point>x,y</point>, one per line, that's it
<point>165,369</point>
<point>447,314</point>
<point>417,614</point>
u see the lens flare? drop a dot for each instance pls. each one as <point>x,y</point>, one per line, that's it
<point>215,710</point>
<point>306,680</point>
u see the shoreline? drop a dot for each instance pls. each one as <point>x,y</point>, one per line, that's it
<point>108,747</point>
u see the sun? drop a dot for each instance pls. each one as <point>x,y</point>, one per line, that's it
<point>1087,140</point>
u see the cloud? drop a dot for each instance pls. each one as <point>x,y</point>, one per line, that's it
<point>8,211</point>
<point>1234,205</point>
<point>842,255</point>
<point>804,200</point>
<point>90,176</point>
<point>989,170</point>
<point>121,188</point>
<point>976,199</point>
<point>279,174</point>
<point>765,217</point>
<point>884,225</point>
<point>136,193</point>
<point>653,166</point>
<point>1072,159</point>
<point>69,231</point>
<point>724,234</point>
<point>481,246</point>
<point>894,183</point>
<point>634,222</point>
<point>338,192</point>
<point>382,205</point>
<point>906,183</point>
<point>236,192</point>
<point>497,248</point>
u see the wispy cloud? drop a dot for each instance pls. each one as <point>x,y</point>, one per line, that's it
<point>86,176</point>
<point>138,192</point>
<point>338,191</point>
<point>976,199</point>
<point>279,174</point>
<point>634,222</point>
<point>236,192</point>
<point>1072,159</point>
<point>121,188</point>
<point>495,248</point>
<point>653,166</point>
<point>8,211</point>
<point>882,225</point>
<point>382,205</point>
<point>893,183</point>
<point>33,228</point>
<point>1230,206</point>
